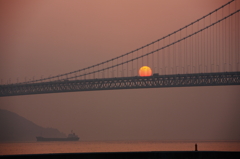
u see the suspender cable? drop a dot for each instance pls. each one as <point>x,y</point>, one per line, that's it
<point>196,50</point>
<point>236,39</point>
<point>164,57</point>
<point>185,50</point>
<point>174,54</point>
<point>225,46</point>
<point>230,53</point>
<point>122,67</point>
<point>192,43</point>
<point>180,53</point>
<point>132,65</point>
<point>153,61</point>
<point>158,59</point>
<point>127,66</point>
<point>137,61</point>
<point>147,55</point>
<point>169,52</point>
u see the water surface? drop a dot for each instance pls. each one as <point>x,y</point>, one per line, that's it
<point>112,146</point>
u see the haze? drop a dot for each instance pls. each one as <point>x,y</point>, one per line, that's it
<point>49,37</point>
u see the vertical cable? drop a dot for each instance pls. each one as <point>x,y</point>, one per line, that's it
<point>180,53</point>
<point>192,41</point>
<point>230,65</point>
<point>219,45</point>
<point>158,58</point>
<point>117,67</point>
<point>197,49</point>
<point>174,62</point>
<point>93,75</point>
<point>132,64</point>
<point>112,69</point>
<point>203,62</point>
<point>103,75</point>
<point>164,56</point>
<point>98,70</point>
<point>189,50</point>
<point>107,71</point>
<point>184,53</point>
<point>185,64</point>
<point>122,68</point>
<point>169,64</point>
<point>83,76</point>
<point>236,36</point>
<point>211,43</point>
<point>207,50</point>
<point>147,55</point>
<point>137,60</point>
<point>153,60</point>
<point>216,51</point>
<point>127,65</point>
<point>223,41</point>
<point>225,44</point>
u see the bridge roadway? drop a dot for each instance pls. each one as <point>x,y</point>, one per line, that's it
<point>155,81</point>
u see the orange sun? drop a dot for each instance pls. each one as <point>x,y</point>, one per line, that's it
<point>145,71</point>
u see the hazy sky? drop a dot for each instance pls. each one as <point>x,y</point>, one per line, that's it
<point>50,37</point>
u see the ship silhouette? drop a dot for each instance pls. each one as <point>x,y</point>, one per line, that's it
<point>71,137</point>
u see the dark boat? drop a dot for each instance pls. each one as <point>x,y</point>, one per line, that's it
<point>71,137</point>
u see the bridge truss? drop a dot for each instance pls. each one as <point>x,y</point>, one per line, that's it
<point>156,81</point>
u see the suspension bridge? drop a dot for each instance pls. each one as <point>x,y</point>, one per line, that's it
<point>202,53</point>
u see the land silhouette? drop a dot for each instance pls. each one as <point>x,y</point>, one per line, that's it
<point>15,128</point>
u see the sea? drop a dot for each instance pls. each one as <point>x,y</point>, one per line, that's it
<point>114,146</point>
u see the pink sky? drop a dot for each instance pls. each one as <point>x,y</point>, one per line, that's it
<point>50,37</point>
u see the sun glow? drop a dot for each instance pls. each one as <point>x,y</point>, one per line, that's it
<point>145,71</point>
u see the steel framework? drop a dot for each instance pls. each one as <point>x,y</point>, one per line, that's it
<point>155,81</point>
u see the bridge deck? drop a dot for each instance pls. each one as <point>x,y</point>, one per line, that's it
<point>156,81</point>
